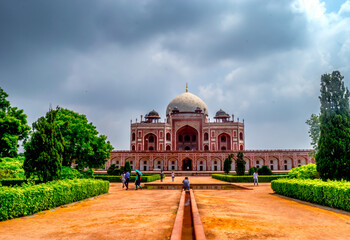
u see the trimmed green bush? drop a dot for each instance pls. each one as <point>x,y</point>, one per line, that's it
<point>29,199</point>
<point>252,170</point>
<point>113,170</point>
<point>110,178</point>
<point>264,170</point>
<point>308,171</point>
<point>334,194</point>
<point>230,178</point>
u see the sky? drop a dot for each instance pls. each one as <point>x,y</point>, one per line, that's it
<point>115,60</point>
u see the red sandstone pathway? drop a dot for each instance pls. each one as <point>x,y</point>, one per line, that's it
<point>260,214</point>
<point>132,215</point>
<point>150,214</point>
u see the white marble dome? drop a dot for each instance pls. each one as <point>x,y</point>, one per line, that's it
<point>187,102</point>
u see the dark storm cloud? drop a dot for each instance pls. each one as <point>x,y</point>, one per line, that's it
<point>115,60</point>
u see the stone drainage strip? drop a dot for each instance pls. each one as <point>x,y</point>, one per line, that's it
<point>188,224</point>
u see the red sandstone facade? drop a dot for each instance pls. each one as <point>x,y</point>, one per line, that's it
<point>188,140</point>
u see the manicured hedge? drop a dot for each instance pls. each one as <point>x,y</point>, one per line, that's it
<point>12,182</point>
<point>29,199</point>
<point>230,178</point>
<point>334,194</point>
<point>112,178</point>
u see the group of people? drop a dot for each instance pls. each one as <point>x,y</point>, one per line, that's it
<point>125,177</point>
<point>162,176</point>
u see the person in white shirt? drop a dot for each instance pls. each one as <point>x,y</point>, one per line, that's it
<point>122,177</point>
<point>255,177</point>
<point>172,176</point>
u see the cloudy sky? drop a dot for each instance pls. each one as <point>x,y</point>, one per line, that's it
<point>116,60</point>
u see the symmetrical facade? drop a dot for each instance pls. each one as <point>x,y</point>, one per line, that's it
<point>188,140</point>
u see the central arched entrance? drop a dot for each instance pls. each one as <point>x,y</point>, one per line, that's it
<point>187,139</point>
<point>187,164</point>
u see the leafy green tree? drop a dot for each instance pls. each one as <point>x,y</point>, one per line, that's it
<point>13,127</point>
<point>240,164</point>
<point>83,145</point>
<point>127,167</point>
<point>333,155</point>
<point>227,163</point>
<point>314,130</point>
<point>43,152</point>
<point>11,168</point>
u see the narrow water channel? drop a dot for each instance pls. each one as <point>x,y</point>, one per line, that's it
<point>209,187</point>
<point>187,227</point>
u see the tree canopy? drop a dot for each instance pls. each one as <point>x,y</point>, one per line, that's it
<point>333,155</point>
<point>314,130</point>
<point>227,163</point>
<point>240,164</point>
<point>83,145</point>
<point>43,151</point>
<point>13,127</point>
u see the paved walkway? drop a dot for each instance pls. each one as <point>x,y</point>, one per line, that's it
<point>149,214</point>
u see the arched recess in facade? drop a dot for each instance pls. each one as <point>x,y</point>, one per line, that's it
<point>116,162</point>
<point>247,163</point>
<point>201,164</point>
<point>259,162</point>
<point>144,164</point>
<point>150,142</point>
<point>287,163</point>
<point>216,164</point>
<point>158,163</point>
<point>272,163</point>
<point>301,161</point>
<point>172,164</point>
<point>132,162</point>
<point>224,141</point>
<point>187,138</point>
<point>187,164</point>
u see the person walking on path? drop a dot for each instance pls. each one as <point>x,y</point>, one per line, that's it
<point>161,176</point>
<point>127,178</point>
<point>255,178</point>
<point>122,177</point>
<point>172,176</point>
<point>138,181</point>
<point>186,184</point>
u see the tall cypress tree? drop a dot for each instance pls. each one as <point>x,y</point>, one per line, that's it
<point>44,150</point>
<point>240,164</point>
<point>333,156</point>
<point>227,163</point>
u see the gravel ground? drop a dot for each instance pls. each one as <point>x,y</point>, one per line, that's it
<point>260,214</point>
<point>150,214</point>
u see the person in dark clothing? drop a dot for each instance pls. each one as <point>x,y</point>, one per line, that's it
<point>186,184</point>
<point>161,176</point>
<point>138,181</point>
<point>127,178</point>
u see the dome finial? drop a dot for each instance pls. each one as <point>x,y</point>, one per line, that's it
<point>186,87</point>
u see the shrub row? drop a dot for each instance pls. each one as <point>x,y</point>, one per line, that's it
<point>334,194</point>
<point>29,199</point>
<point>112,178</point>
<point>230,178</point>
<point>14,181</point>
